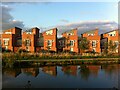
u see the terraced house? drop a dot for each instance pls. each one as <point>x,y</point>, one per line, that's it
<point>110,36</point>
<point>33,41</point>
<point>70,41</point>
<point>50,39</point>
<point>94,39</point>
<point>11,39</point>
<point>30,40</point>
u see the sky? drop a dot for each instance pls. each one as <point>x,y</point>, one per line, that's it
<point>64,15</point>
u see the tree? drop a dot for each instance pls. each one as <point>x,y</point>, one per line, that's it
<point>112,46</point>
<point>83,43</point>
<point>105,48</point>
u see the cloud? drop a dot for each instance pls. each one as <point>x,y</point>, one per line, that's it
<point>103,26</point>
<point>8,20</point>
<point>64,21</point>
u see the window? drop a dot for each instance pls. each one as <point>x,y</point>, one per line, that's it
<point>116,43</point>
<point>111,34</point>
<point>91,34</point>
<point>27,48</point>
<point>28,42</point>
<point>71,43</point>
<point>49,43</point>
<point>6,42</point>
<point>71,49</point>
<point>70,33</point>
<point>93,43</point>
<point>50,32</point>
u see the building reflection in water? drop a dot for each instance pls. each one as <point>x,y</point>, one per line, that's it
<point>12,72</point>
<point>94,69</point>
<point>31,71</point>
<point>70,70</point>
<point>51,70</point>
<point>110,69</point>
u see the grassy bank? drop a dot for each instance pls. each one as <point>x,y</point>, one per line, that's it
<point>29,56</point>
<point>15,59</point>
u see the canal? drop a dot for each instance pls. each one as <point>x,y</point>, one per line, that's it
<point>69,76</point>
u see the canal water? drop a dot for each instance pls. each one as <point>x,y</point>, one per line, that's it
<point>70,76</point>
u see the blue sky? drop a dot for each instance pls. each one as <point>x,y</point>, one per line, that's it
<point>50,14</point>
<point>62,15</point>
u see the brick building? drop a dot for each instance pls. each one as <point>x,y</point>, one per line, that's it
<point>50,40</point>
<point>11,39</point>
<point>110,36</point>
<point>94,39</point>
<point>30,40</point>
<point>69,41</point>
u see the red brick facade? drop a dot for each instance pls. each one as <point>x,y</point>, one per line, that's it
<point>70,41</point>
<point>13,39</point>
<point>29,40</point>
<point>50,40</point>
<point>111,36</point>
<point>94,40</point>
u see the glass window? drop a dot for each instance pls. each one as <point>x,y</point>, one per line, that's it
<point>49,43</point>
<point>28,42</point>
<point>93,43</point>
<point>71,43</point>
<point>6,42</point>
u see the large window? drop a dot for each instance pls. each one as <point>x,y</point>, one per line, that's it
<point>71,43</point>
<point>49,43</point>
<point>93,43</point>
<point>6,42</point>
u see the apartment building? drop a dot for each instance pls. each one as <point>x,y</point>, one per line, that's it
<point>110,36</point>
<point>11,39</point>
<point>69,41</point>
<point>94,40</point>
<point>30,39</point>
<point>50,40</point>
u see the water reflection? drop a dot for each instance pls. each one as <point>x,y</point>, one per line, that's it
<point>51,70</point>
<point>30,71</point>
<point>14,72</point>
<point>105,76</point>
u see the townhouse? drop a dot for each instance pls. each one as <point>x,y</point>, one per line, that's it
<point>11,39</point>
<point>94,40</point>
<point>30,40</point>
<point>50,40</point>
<point>110,36</point>
<point>69,41</point>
